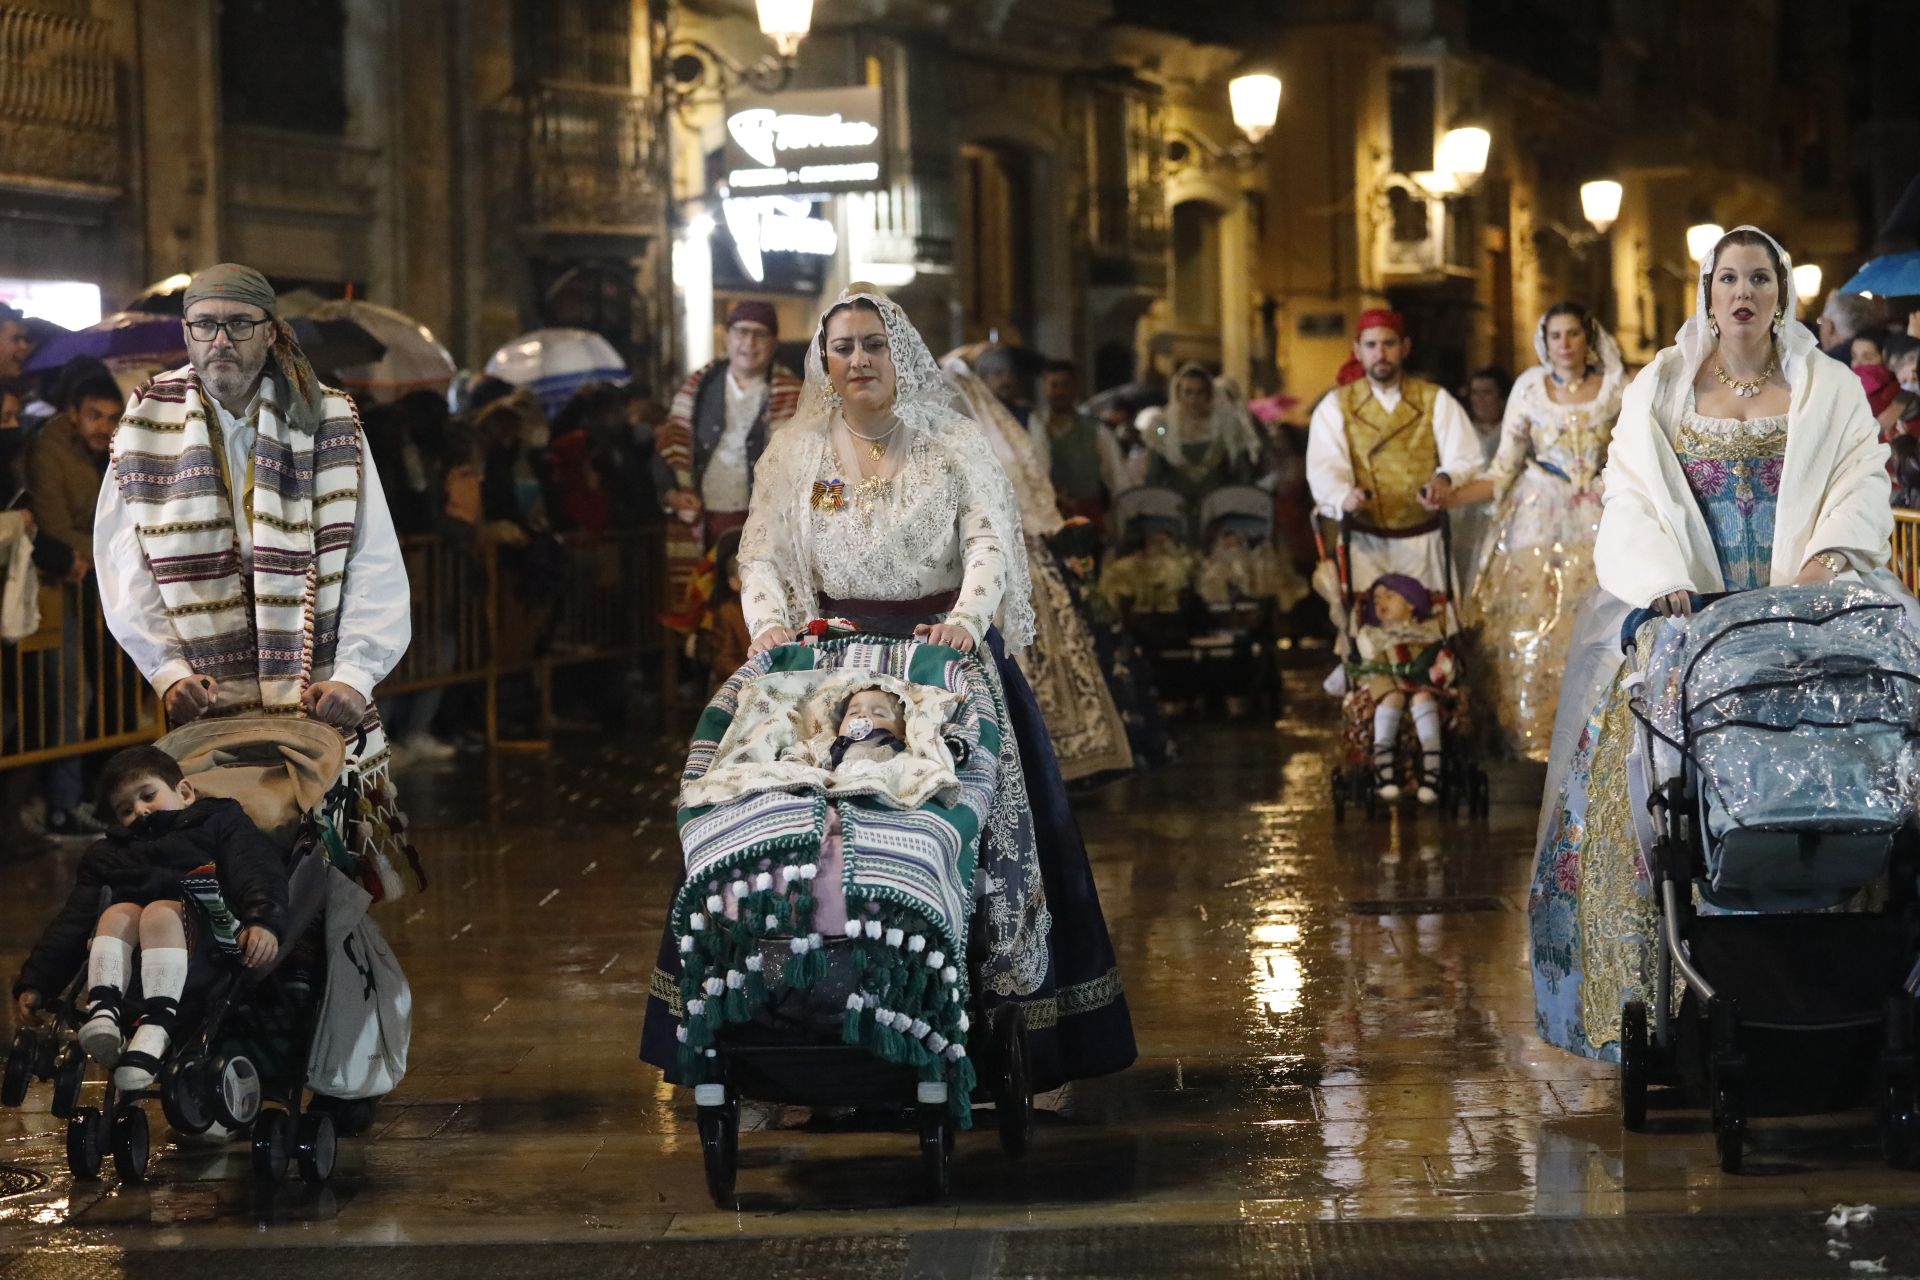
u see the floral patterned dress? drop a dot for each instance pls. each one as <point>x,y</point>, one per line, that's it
<point>1590,913</point>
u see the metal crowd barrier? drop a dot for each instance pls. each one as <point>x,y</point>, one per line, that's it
<point>481,615</point>
<point>1906,547</point>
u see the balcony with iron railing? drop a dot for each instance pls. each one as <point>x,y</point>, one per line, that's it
<point>589,159</point>
<point>59,106</point>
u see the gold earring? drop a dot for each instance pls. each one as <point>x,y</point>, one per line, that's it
<point>1713,326</point>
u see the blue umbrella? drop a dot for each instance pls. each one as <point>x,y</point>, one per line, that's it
<point>1894,275</point>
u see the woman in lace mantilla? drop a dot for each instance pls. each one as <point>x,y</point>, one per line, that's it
<point>881,504</point>
<point>1742,458</point>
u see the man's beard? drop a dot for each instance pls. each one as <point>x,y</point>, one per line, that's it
<point>231,381</point>
<point>1392,372</point>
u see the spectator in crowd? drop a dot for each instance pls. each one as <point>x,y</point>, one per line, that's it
<point>1881,388</point>
<point>1867,349</point>
<point>1903,357</point>
<point>65,465</point>
<point>514,434</point>
<point>15,345</point>
<point>1845,317</point>
<point>1076,449</point>
<point>1905,466</point>
<point>1001,372</point>
<point>601,479</point>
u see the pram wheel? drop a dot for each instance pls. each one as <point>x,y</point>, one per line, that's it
<point>1012,1085</point>
<point>236,1091</point>
<point>13,1089</point>
<point>351,1116</point>
<point>720,1145</point>
<point>184,1095</point>
<point>69,1069</point>
<point>130,1146</point>
<point>936,1149</point>
<point>86,1143</point>
<point>316,1148</point>
<point>272,1146</point>
<point>1634,1053</point>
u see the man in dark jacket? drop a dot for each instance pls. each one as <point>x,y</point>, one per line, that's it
<point>170,853</point>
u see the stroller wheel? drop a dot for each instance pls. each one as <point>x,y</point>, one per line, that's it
<point>936,1150</point>
<point>1634,1053</point>
<point>235,1087</point>
<point>1013,1088</point>
<point>130,1146</point>
<point>69,1069</point>
<point>351,1116</point>
<point>19,1074</point>
<point>272,1145</point>
<point>316,1147</point>
<point>720,1146</point>
<point>184,1095</point>
<point>86,1143</point>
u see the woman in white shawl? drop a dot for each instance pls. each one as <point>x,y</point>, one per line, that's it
<point>1742,458</point>
<point>1534,568</point>
<point>880,503</point>
<point>1198,443</point>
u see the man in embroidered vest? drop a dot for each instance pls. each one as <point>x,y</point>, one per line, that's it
<point>246,557</point>
<point>718,425</point>
<point>1386,450</point>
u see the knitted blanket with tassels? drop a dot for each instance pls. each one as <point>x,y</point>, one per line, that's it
<point>908,879</point>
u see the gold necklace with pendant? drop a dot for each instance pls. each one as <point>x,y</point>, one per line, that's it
<point>876,445</point>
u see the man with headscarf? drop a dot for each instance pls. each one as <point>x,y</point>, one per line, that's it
<point>246,556</point>
<point>718,425</point>
<point>1384,451</point>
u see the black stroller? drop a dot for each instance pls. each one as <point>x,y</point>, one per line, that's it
<point>239,1058</point>
<point>1780,734</point>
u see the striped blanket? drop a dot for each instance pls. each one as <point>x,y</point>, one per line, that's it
<point>909,876</point>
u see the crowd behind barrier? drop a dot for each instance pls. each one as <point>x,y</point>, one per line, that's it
<point>476,621</point>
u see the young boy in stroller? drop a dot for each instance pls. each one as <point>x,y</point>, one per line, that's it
<point>187,878</point>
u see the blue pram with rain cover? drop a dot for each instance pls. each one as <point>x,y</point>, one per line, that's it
<point>1776,770</point>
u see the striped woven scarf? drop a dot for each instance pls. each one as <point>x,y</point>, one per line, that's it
<point>266,636</point>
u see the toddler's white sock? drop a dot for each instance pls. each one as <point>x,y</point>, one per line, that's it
<point>107,961</point>
<point>163,976</point>
<point>101,1037</point>
<point>1426,723</point>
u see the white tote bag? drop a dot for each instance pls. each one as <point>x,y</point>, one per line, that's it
<point>366,1016</point>
<point>20,600</point>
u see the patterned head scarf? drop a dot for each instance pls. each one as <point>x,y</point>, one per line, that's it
<point>299,390</point>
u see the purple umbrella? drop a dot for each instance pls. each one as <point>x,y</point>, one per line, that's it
<point>130,338</point>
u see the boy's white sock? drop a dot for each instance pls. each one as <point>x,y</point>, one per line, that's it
<point>1386,729</point>
<point>107,961</point>
<point>163,976</point>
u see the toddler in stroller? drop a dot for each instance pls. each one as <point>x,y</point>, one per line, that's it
<point>232,1040</point>
<point>831,816</point>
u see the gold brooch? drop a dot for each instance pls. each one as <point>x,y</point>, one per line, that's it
<point>829,495</point>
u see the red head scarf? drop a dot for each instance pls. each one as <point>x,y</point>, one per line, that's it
<point>1880,384</point>
<point>1351,371</point>
<point>1380,318</point>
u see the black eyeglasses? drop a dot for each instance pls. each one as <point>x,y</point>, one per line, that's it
<point>238,329</point>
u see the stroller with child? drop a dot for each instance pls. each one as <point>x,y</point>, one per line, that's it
<point>291,1055</point>
<point>1210,624</point>
<point>827,929</point>
<point>1775,769</point>
<point>1406,717</point>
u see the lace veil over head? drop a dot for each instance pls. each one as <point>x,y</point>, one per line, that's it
<point>1603,348</point>
<point>779,530</point>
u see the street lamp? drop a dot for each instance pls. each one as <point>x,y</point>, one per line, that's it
<point>1806,282</point>
<point>1600,203</point>
<point>786,23</point>
<point>1463,154</point>
<point>1255,99</point>
<point>1701,237</point>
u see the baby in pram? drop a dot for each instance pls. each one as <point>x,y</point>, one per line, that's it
<point>188,878</point>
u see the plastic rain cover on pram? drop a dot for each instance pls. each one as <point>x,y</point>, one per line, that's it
<point>1800,711</point>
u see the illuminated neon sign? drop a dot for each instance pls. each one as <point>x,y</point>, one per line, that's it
<point>759,225</point>
<point>811,142</point>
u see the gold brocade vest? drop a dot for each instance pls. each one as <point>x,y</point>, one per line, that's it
<point>1394,454</point>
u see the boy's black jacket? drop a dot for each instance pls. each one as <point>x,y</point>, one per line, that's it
<point>145,863</point>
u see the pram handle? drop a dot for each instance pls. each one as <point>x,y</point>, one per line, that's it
<point>1696,601</point>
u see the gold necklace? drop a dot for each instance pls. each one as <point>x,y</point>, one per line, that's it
<point>1744,388</point>
<point>876,445</point>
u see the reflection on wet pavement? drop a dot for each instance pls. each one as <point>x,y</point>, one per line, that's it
<point>1335,1023</point>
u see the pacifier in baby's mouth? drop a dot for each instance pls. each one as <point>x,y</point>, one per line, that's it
<point>857,728</point>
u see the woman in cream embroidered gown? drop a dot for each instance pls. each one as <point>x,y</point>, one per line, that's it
<point>1535,566</point>
<point>1742,458</point>
<point>1198,442</point>
<point>879,503</point>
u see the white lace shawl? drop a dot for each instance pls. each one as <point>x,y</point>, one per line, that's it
<point>777,551</point>
<point>1012,445</point>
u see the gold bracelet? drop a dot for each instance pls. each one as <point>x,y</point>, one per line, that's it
<point>1836,563</point>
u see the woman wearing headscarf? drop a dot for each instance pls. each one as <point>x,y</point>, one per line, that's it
<point>881,503</point>
<point>1534,567</point>
<point>1198,443</point>
<point>1743,458</point>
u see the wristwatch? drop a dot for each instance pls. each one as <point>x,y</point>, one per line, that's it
<point>1836,563</point>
